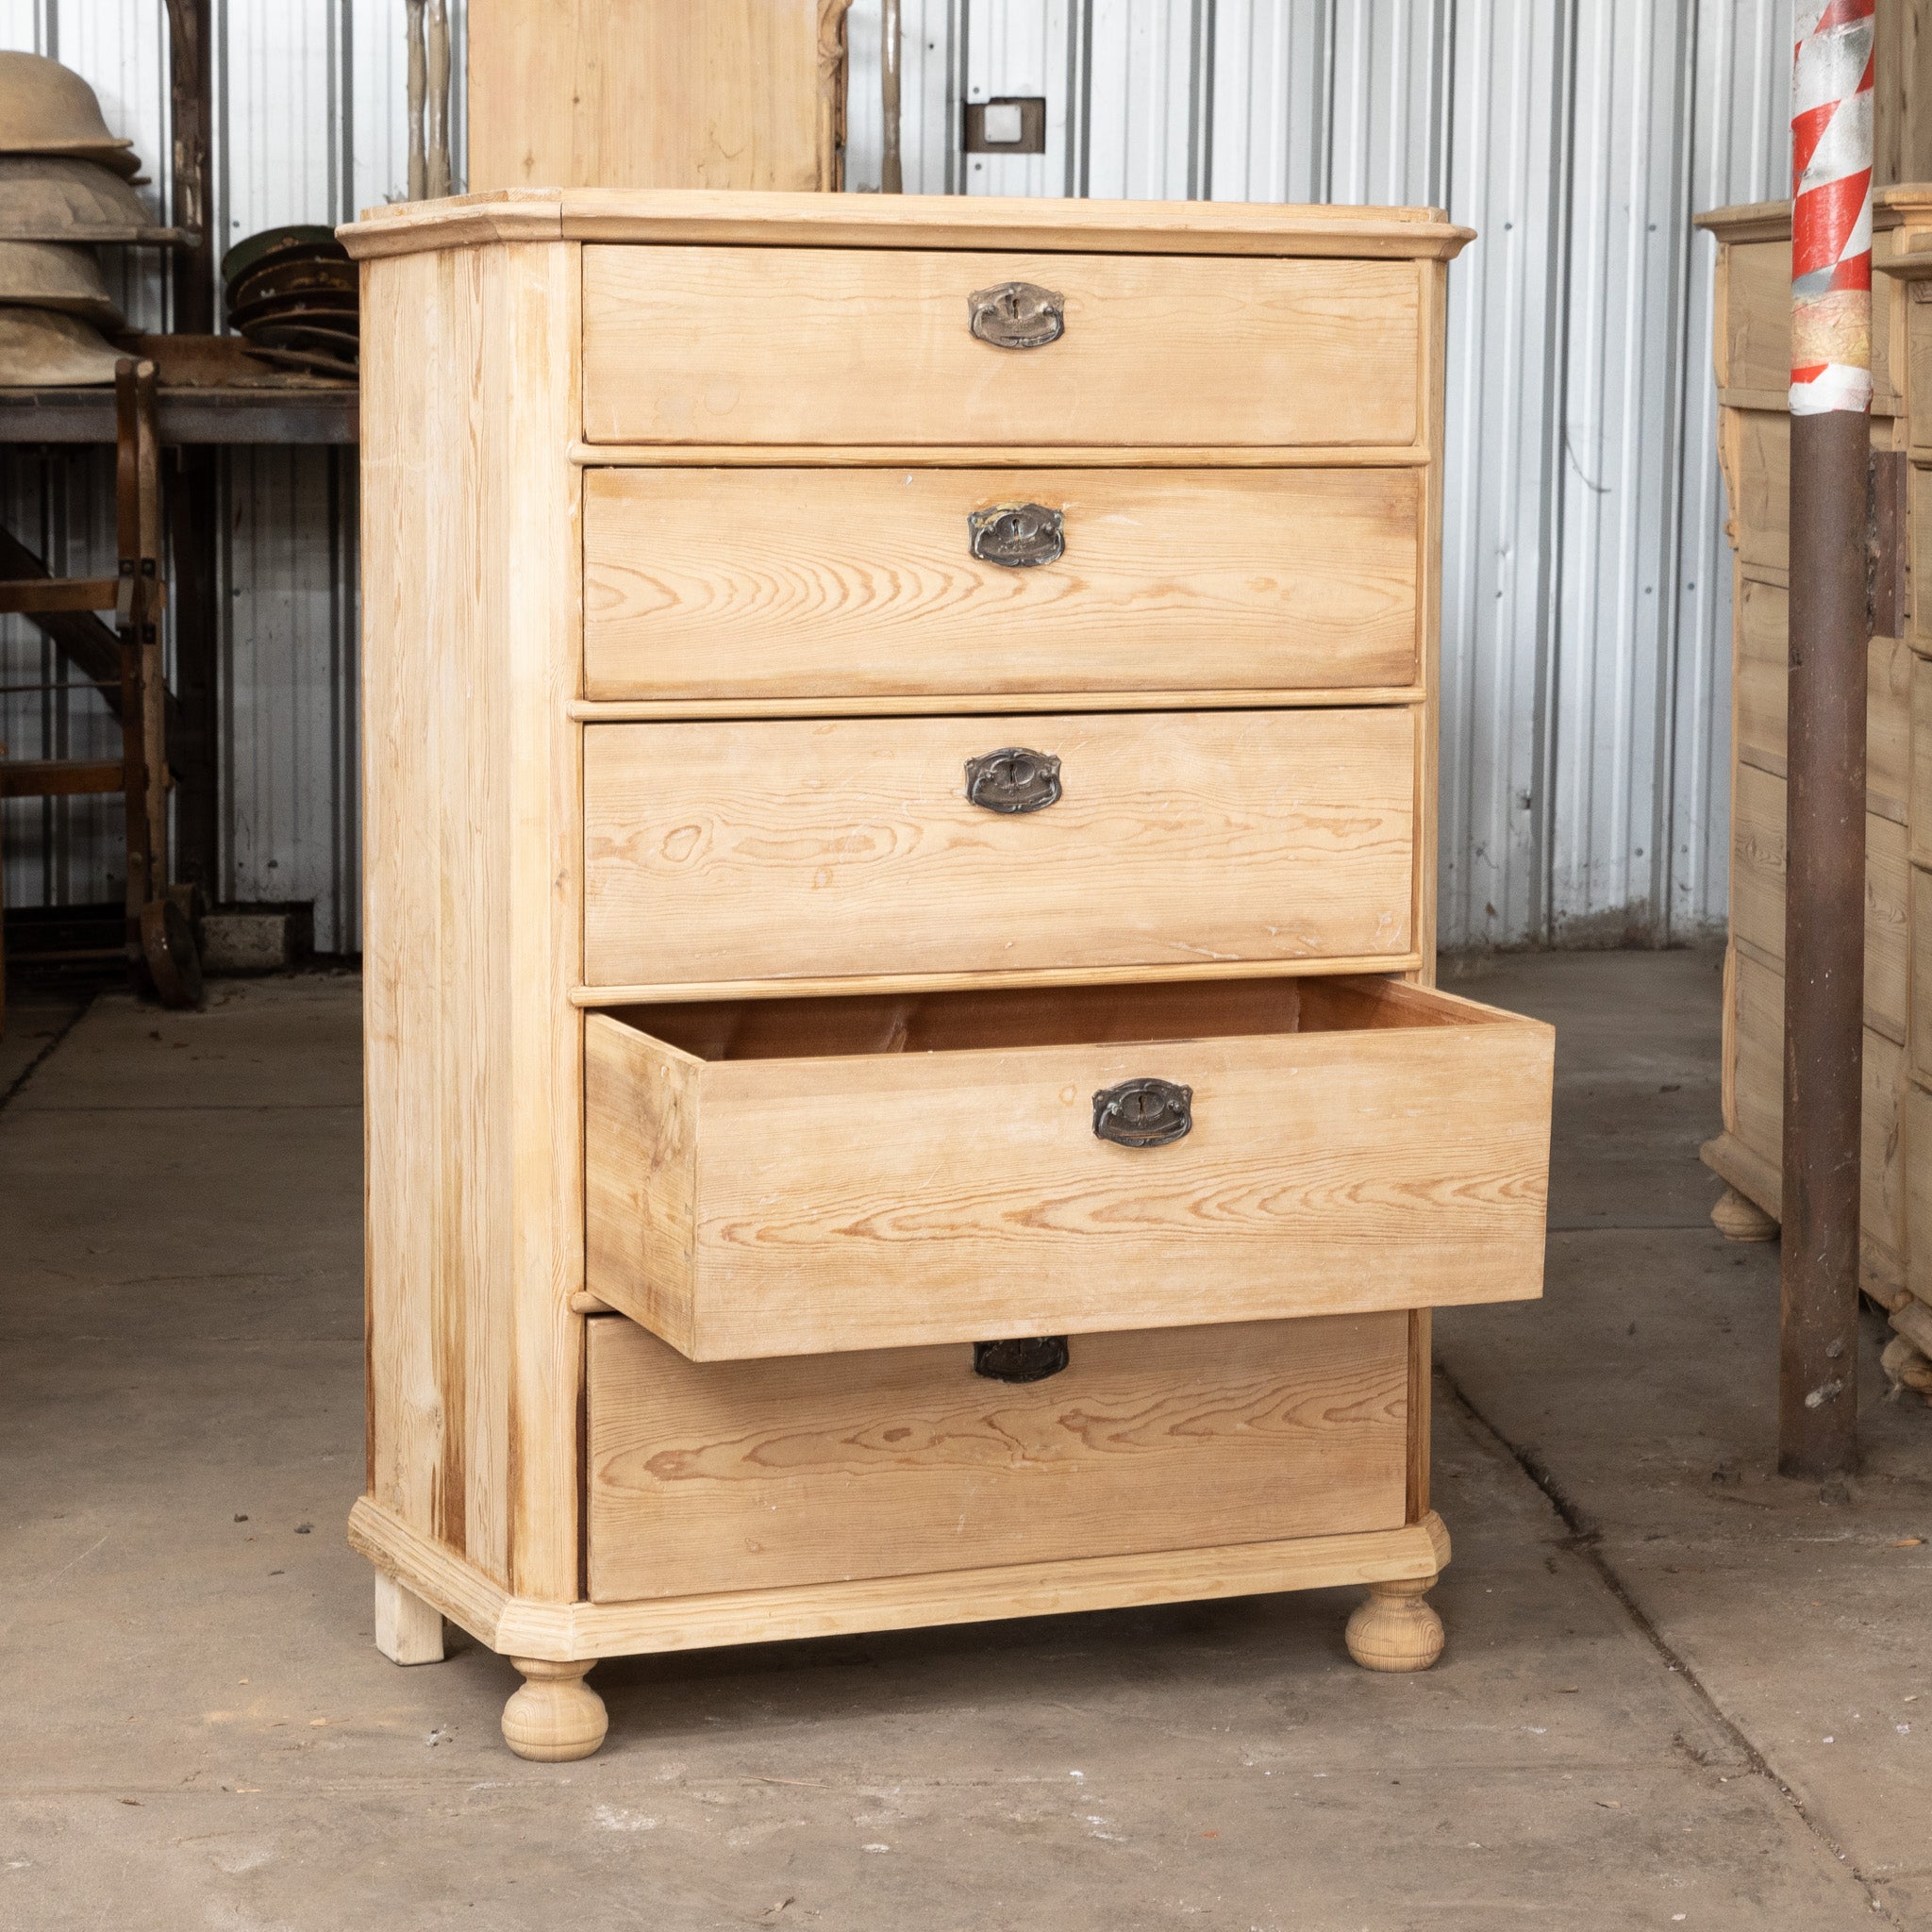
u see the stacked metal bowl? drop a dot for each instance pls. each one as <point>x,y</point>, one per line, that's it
<point>291,292</point>
<point>66,186</point>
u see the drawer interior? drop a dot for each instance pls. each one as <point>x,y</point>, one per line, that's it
<point>1041,1016</point>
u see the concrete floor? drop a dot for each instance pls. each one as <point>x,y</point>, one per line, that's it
<point>1677,1690</point>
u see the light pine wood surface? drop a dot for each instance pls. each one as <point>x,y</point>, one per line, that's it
<point>518,1626</point>
<point>761,583</point>
<point>741,218</point>
<point>652,450</point>
<point>742,93</point>
<point>764,1473</point>
<point>1757,893</point>
<point>849,345</point>
<point>847,847</point>
<point>885,1191</point>
<point>472,793</point>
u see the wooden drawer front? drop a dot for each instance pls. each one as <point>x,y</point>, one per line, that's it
<point>827,345</point>
<point>778,583</point>
<point>716,853</point>
<point>791,1178</point>
<point>744,1475</point>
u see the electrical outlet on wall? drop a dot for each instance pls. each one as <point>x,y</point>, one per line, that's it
<point>1007,124</point>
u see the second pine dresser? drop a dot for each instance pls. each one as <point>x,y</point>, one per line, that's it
<point>904,1084</point>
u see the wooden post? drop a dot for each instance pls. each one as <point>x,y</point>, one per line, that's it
<point>1824,899</point>
<point>193,497</point>
<point>891,170</point>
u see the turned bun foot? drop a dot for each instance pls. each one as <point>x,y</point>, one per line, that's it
<point>1739,1220</point>
<point>554,1716</point>
<point>1393,1629</point>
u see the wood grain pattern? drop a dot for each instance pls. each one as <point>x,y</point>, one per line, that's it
<point>893,1181</point>
<point>950,704</point>
<point>520,1626</point>
<point>767,1473</point>
<point>1011,456</point>
<point>1919,1032</point>
<point>1757,321</point>
<point>1761,678</point>
<point>845,988</point>
<point>738,94</point>
<point>850,345</point>
<point>837,847</point>
<point>1760,992</point>
<point>1757,893</point>
<point>471,934</point>
<point>755,583</point>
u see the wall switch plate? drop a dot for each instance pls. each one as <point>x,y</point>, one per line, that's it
<point>1008,125</point>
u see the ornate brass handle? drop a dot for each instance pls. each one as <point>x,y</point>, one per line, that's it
<point>1028,1358</point>
<point>1014,779</point>
<point>1017,315</point>
<point>1143,1113</point>
<point>1018,535</point>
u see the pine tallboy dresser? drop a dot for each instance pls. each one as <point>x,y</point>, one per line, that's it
<point>902,1080</point>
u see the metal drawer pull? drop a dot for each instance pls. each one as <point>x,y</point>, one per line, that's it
<point>1014,779</point>
<point>1028,1358</point>
<point>1017,315</point>
<point>1143,1113</point>
<point>1019,535</point>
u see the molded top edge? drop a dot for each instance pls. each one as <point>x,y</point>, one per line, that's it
<point>1771,221</point>
<point>929,220</point>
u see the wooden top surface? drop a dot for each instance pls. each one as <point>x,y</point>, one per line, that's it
<point>907,221</point>
<point>1771,221</point>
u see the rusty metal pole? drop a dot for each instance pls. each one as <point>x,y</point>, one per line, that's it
<point>1825,826</point>
<point>891,170</point>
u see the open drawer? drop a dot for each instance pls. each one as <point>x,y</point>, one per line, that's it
<point>803,1177</point>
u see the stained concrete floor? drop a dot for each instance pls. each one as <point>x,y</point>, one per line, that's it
<point>1678,1692</point>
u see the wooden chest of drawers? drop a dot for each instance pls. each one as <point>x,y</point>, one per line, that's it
<point>903,1082</point>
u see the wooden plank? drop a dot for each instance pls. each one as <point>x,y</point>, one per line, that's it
<point>59,777</point>
<point>1761,678</point>
<point>1758,324</point>
<point>848,345</point>
<point>471,791</point>
<point>741,218</point>
<point>1760,1103</point>
<point>516,1627</point>
<point>1016,456</point>
<point>735,93</point>
<point>650,993</point>
<point>1757,893</point>
<point>839,847</point>
<point>947,704</point>
<point>641,1102</point>
<point>845,1192</point>
<point>1919,925</point>
<point>760,584</point>
<point>760,1474</point>
<point>1761,487</point>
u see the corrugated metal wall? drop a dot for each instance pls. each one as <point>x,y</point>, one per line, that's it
<point>1586,610</point>
<point>310,126</point>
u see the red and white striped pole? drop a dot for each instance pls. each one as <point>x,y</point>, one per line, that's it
<point>1825,830</point>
